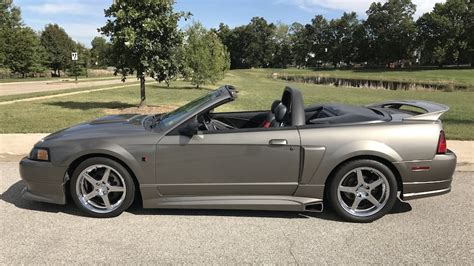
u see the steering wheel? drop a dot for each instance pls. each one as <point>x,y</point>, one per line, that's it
<point>206,120</point>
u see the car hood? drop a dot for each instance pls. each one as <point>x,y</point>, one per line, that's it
<point>104,127</point>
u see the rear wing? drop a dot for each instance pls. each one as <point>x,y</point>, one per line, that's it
<point>433,111</point>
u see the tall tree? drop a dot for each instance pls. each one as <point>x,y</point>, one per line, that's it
<point>100,52</point>
<point>300,43</point>
<point>144,36</point>
<point>443,35</point>
<point>391,30</point>
<point>282,56</point>
<point>341,38</point>
<point>59,47</point>
<point>318,34</point>
<point>236,40</point>
<point>10,20</point>
<point>82,63</point>
<point>207,58</point>
<point>24,53</point>
<point>260,47</point>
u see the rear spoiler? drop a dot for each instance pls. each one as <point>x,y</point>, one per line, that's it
<point>433,111</point>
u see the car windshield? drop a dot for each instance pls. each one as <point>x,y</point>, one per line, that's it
<point>177,115</point>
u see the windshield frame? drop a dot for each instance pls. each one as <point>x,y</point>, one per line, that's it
<point>174,118</point>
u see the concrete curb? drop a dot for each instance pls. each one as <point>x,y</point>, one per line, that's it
<point>14,146</point>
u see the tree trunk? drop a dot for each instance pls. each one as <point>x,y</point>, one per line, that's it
<point>142,90</point>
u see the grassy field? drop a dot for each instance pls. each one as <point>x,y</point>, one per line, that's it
<point>256,91</point>
<point>463,77</point>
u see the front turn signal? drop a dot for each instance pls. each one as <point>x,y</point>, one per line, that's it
<point>39,154</point>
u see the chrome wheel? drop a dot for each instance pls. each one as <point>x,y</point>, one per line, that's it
<point>100,188</point>
<point>363,191</point>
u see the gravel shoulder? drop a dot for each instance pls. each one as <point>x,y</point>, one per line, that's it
<point>435,230</point>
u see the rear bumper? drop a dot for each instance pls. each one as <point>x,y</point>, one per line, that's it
<point>44,181</point>
<point>427,178</point>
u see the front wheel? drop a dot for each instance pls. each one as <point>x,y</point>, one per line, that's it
<point>102,187</point>
<point>362,190</point>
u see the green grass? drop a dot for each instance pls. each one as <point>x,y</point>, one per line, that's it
<point>256,92</point>
<point>463,77</point>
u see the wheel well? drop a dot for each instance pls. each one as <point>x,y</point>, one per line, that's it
<point>72,167</point>
<point>370,157</point>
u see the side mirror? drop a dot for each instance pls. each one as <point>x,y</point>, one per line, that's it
<point>190,129</point>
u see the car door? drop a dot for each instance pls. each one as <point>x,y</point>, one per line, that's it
<point>231,162</point>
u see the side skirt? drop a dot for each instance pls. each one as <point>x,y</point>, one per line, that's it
<point>273,203</point>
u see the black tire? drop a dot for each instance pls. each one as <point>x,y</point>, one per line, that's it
<point>338,199</point>
<point>126,179</point>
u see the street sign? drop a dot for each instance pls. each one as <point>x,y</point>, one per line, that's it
<point>74,56</point>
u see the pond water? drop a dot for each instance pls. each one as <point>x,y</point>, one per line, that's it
<point>367,83</point>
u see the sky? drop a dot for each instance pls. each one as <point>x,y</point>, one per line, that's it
<point>81,18</point>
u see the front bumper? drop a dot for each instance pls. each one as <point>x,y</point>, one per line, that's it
<point>44,181</point>
<point>427,178</point>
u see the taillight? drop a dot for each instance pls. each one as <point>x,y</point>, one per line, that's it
<point>442,145</point>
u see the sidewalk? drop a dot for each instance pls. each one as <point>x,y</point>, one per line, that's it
<point>15,146</point>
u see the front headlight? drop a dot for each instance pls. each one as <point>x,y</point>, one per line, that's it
<point>39,154</point>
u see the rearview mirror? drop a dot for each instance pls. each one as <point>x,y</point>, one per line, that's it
<point>190,129</point>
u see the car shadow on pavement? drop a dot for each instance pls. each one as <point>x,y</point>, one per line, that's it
<point>13,196</point>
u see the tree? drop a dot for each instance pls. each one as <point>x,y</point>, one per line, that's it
<point>341,38</point>
<point>251,45</point>
<point>236,40</point>
<point>391,31</point>
<point>24,53</point>
<point>80,67</point>
<point>318,35</point>
<point>10,19</point>
<point>282,56</point>
<point>443,35</point>
<point>100,52</point>
<point>300,43</point>
<point>260,46</point>
<point>59,47</point>
<point>207,58</point>
<point>144,36</point>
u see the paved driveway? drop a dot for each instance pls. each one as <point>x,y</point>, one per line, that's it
<point>436,231</point>
<point>42,86</point>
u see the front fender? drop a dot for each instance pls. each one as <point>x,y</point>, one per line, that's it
<point>64,155</point>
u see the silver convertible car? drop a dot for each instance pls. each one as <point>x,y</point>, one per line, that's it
<point>358,160</point>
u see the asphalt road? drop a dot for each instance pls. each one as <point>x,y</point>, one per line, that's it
<point>436,230</point>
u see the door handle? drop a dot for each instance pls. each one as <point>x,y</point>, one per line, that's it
<point>278,142</point>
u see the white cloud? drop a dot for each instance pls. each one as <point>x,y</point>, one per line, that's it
<point>359,6</point>
<point>82,32</point>
<point>59,8</point>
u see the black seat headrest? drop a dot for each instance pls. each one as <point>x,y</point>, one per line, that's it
<point>274,105</point>
<point>280,112</point>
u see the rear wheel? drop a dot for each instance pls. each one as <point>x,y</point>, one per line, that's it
<point>102,187</point>
<point>362,190</point>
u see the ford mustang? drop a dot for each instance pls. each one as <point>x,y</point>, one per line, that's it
<point>356,160</point>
